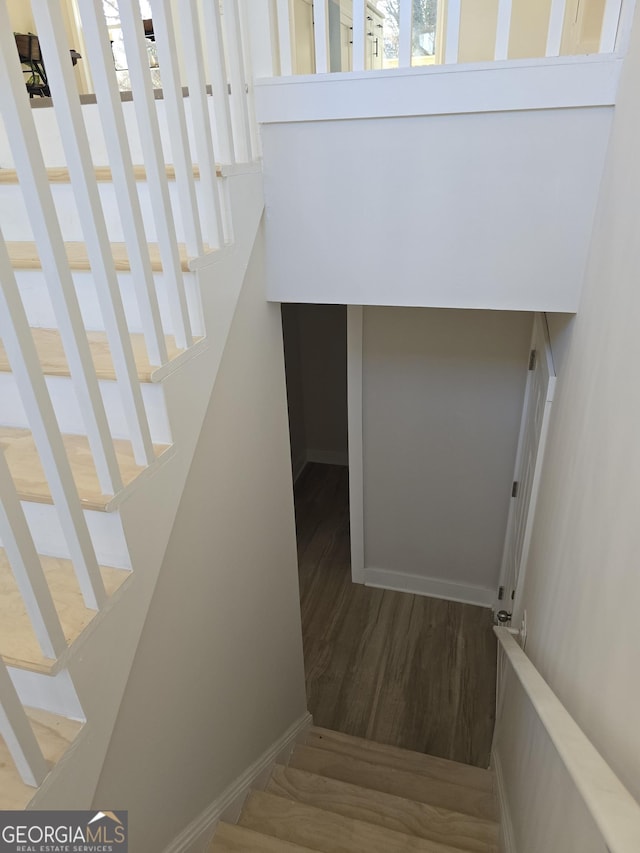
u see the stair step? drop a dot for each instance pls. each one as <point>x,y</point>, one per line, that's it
<point>52,357</point>
<point>54,734</point>
<point>31,484</point>
<point>391,780</point>
<point>402,759</point>
<point>327,831</point>
<point>60,174</point>
<point>24,256</point>
<point>19,646</point>
<point>423,821</point>
<point>238,839</point>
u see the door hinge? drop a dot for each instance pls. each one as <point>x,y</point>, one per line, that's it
<point>500,593</point>
<point>229,87</point>
<point>514,489</point>
<point>532,359</point>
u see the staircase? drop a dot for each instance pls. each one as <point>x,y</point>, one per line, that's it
<point>123,251</point>
<point>342,794</point>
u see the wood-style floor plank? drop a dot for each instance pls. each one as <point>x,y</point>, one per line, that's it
<point>327,831</point>
<point>48,343</point>
<point>24,256</point>
<point>402,759</point>
<point>400,669</point>
<point>31,484</point>
<point>412,818</point>
<point>238,839</point>
<point>400,783</point>
<point>18,643</point>
<point>54,734</point>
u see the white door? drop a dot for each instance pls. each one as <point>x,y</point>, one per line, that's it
<point>533,434</point>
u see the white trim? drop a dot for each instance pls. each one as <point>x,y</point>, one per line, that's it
<point>328,457</point>
<point>355,314</point>
<point>507,835</point>
<point>432,587</point>
<point>511,85</point>
<point>231,799</point>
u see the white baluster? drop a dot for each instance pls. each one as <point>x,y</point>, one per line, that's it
<point>96,36</point>
<point>610,21</point>
<point>358,41</point>
<point>250,76</point>
<point>23,358</point>
<point>452,37</point>
<point>163,28</point>
<point>405,29</point>
<point>503,29</point>
<point>192,40</point>
<point>239,107</point>
<point>53,40</point>
<point>216,57</point>
<point>321,35</point>
<point>27,568</point>
<point>556,23</point>
<point>23,139</point>
<point>286,36</point>
<point>147,119</point>
<point>16,730</point>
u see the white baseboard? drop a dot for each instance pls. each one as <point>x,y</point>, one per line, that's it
<point>328,457</point>
<point>298,465</point>
<point>507,838</point>
<point>433,587</point>
<point>196,837</point>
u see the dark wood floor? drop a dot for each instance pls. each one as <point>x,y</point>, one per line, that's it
<point>401,669</point>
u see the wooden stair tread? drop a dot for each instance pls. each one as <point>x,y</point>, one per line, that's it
<point>30,482</point>
<point>48,343</point>
<point>230,838</point>
<point>327,831</point>
<point>423,821</point>
<point>390,780</point>
<point>60,174</point>
<point>54,734</point>
<point>402,759</point>
<point>19,646</point>
<point>24,256</point>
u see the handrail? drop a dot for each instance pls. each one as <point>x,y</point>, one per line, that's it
<point>614,811</point>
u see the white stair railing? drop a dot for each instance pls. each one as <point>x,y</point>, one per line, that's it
<point>23,358</point>
<point>613,809</point>
<point>194,61</point>
<point>25,146</point>
<point>18,735</point>
<point>450,21</point>
<point>164,30</point>
<point>96,36</point>
<point>206,41</point>
<point>154,158</point>
<point>238,81</point>
<point>51,33</point>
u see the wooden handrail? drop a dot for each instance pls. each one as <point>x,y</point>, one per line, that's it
<point>614,811</point>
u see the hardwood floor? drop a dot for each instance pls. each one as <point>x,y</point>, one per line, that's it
<point>401,669</point>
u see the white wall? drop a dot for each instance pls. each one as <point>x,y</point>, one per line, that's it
<point>582,588</point>
<point>442,404</point>
<point>490,210</point>
<point>218,675</point>
<point>315,339</point>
